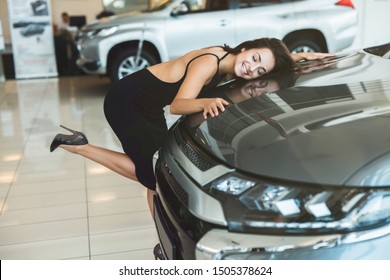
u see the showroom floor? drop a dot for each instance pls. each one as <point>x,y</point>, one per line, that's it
<point>59,205</point>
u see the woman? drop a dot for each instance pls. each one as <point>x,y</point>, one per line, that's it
<point>134,105</point>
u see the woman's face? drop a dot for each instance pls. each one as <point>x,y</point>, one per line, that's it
<point>253,63</point>
<point>259,87</point>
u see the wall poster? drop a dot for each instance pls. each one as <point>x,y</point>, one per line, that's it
<point>32,38</point>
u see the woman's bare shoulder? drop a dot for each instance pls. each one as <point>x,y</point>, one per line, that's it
<point>174,69</point>
<point>212,50</point>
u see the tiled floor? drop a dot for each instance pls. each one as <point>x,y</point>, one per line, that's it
<point>59,205</point>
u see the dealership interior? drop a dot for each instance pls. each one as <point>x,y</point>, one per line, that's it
<point>56,205</point>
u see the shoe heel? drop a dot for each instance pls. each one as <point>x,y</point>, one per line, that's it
<point>68,129</point>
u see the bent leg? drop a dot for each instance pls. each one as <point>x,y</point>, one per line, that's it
<point>150,195</point>
<point>115,161</point>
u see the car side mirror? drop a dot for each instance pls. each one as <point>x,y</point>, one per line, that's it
<point>181,9</point>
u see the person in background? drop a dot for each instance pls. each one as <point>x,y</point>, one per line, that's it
<point>63,26</point>
<point>66,51</point>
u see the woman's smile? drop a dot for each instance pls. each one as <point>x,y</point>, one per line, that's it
<point>245,69</point>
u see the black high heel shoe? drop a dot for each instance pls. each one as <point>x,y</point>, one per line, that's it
<point>77,138</point>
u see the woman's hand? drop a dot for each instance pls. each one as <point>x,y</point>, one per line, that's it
<point>310,55</point>
<point>212,106</point>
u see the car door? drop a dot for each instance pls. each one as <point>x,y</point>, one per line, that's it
<point>206,23</point>
<point>264,18</point>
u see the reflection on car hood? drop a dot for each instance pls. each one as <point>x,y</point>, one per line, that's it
<point>327,132</point>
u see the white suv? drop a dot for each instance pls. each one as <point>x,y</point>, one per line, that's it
<point>123,44</point>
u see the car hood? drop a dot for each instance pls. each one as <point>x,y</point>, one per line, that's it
<point>332,127</point>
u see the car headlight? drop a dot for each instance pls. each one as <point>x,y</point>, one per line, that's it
<point>233,185</point>
<point>103,32</point>
<point>300,208</point>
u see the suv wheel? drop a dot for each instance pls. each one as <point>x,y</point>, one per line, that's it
<point>126,63</point>
<point>303,46</point>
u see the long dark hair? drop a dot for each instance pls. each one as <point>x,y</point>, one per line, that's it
<point>283,59</point>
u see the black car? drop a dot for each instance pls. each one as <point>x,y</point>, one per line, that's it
<point>297,167</point>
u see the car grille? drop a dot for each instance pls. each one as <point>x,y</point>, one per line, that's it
<point>194,156</point>
<point>175,187</point>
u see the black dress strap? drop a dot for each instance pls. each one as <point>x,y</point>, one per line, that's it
<point>218,59</point>
<point>225,55</point>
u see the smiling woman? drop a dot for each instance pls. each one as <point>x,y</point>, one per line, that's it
<point>249,60</point>
<point>134,105</point>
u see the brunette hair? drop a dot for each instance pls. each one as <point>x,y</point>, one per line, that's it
<point>283,60</point>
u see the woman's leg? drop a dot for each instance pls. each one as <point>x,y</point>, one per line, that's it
<point>150,195</point>
<point>115,161</point>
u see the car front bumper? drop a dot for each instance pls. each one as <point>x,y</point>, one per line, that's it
<point>89,57</point>
<point>191,224</point>
<point>221,244</point>
<point>90,67</point>
<point>180,242</point>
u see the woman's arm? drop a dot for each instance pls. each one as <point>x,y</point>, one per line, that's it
<point>310,55</point>
<point>199,73</point>
<point>209,106</point>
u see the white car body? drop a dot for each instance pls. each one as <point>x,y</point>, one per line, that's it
<point>122,44</point>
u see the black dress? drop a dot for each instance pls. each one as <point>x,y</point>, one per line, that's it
<point>134,108</point>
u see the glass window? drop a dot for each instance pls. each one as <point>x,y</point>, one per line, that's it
<point>219,5</point>
<point>257,3</point>
<point>206,5</point>
<point>124,6</point>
